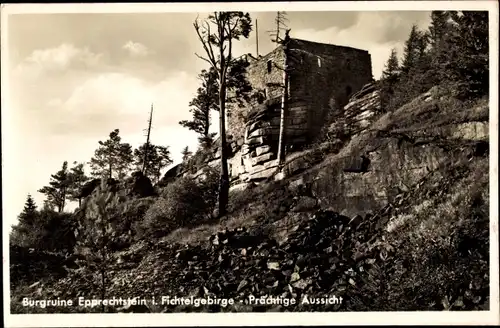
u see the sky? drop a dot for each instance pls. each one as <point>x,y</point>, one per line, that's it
<point>73,78</point>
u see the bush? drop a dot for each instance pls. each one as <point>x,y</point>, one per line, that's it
<point>184,202</point>
<point>198,160</point>
<point>51,231</point>
<point>39,249</point>
<point>210,187</point>
<point>126,217</point>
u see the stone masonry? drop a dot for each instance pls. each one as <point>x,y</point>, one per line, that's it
<point>321,80</point>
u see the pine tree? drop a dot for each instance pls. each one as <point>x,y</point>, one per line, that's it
<point>57,190</point>
<point>157,159</point>
<point>390,79</point>
<point>96,232</point>
<point>439,28</point>
<point>112,158</point>
<point>124,160</point>
<point>28,215</point>
<point>217,34</point>
<point>238,87</point>
<point>441,32</point>
<point>186,154</point>
<point>77,179</point>
<point>468,60</point>
<point>139,156</point>
<point>412,49</point>
<point>392,66</point>
<point>206,100</point>
<point>163,160</point>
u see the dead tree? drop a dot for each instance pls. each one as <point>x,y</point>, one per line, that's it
<point>284,99</point>
<point>146,149</point>
<point>216,34</point>
<point>280,22</point>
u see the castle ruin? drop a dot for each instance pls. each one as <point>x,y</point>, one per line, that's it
<point>322,77</point>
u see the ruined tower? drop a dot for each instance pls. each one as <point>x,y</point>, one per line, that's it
<point>321,79</point>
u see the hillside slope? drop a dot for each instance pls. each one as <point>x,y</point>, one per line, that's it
<point>409,233</point>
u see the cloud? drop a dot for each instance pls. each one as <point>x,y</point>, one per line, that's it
<point>66,96</point>
<point>68,126</point>
<point>136,49</point>
<point>118,100</point>
<point>59,59</point>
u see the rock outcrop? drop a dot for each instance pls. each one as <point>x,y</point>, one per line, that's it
<point>363,109</point>
<point>253,158</point>
<point>89,187</point>
<point>139,185</point>
<point>394,218</point>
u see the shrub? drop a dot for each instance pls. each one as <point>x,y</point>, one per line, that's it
<point>184,202</point>
<point>210,186</point>
<point>50,231</point>
<point>126,217</point>
<point>199,159</point>
<point>38,250</point>
<point>97,234</point>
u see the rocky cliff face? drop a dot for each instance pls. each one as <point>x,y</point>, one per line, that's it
<point>253,157</point>
<point>137,185</point>
<point>363,109</point>
<point>403,147</point>
<point>398,149</point>
<point>391,216</point>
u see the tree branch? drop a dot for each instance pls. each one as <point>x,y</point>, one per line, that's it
<point>208,61</point>
<point>232,29</point>
<point>209,31</point>
<point>230,41</point>
<point>211,60</point>
<point>215,36</point>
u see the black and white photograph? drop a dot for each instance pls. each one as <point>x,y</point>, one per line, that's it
<point>217,163</point>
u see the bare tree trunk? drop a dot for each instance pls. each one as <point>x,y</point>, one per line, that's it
<point>146,148</point>
<point>63,201</point>
<point>284,105</point>
<point>103,264</point>
<point>207,122</point>
<point>224,176</point>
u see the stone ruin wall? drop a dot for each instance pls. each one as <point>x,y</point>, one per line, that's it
<point>322,79</point>
<point>319,89</point>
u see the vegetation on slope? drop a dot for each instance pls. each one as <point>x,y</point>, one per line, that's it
<point>422,245</point>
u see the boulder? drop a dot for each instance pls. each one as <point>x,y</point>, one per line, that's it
<point>89,187</point>
<point>170,175</point>
<point>262,159</point>
<point>305,203</point>
<point>262,149</point>
<point>141,185</point>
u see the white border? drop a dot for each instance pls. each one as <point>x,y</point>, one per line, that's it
<point>302,318</point>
